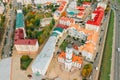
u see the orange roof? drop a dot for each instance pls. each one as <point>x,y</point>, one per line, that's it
<point>89,47</point>
<point>76,26</point>
<point>77,59</point>
<point>80,15</point>
<point>81,48</point>
<point>74,58</point>
<point>48,3</point>
<point>62,54</point>
<point>93,37</point>
<point>67,19</point>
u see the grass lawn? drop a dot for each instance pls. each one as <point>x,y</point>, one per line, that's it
<point>25,63</point>
<point>119,2</point>
<point>64,45</point>
<point>48,14</point>
<point>106,61</point>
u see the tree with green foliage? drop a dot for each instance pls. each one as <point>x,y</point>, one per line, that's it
<point>25,58</point>
<point>53,21</point>
<point>2,20</point>
<point>37,22</point>
<point>25,10</point>
<point>40,39</point>
<point>39,6</point>
<point>10,6</point>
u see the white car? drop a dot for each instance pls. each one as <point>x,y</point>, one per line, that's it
<point>118,49</point>
<point>96,68</point>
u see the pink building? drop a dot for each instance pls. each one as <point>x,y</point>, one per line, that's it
<point>21,44</point>
<point>24,45</point>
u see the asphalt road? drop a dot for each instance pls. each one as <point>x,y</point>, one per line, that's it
<point>117,45</point>
<point>96,63</point>
<point>116,8</point>
<point>9,32</point>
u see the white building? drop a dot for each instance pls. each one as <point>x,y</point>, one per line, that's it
<point>41,63</point>
<point>26,45</point>
<point>102,4</point>
<point>88,51</point>
<point>44,1</point>
<point>2,8</point>
<point>77,34</point>
<point>24,2</point>
<point>69,59</point>
<point>66,21</point>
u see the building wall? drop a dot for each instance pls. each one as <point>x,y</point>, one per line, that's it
<point>87,55</point>
<point>74,64</point>
<point>92,27</point>
<point>73,32</point>
<point>24,2</point>
<point>27,48</point>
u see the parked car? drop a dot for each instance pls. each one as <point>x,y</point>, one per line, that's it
<point>118,49</point>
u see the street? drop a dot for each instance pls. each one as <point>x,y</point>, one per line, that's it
<point>6,52</point>
<point>115,68</point>
<point>101,42</point>
<point>117,45</point>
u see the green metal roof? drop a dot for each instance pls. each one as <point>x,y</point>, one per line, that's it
<point>19,20</point>
<point>54,34</point>
<point>58,29</point>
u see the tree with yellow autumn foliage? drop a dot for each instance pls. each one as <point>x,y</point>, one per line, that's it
<point>86,71</point>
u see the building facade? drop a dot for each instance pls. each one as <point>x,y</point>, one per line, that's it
<point>70,59</point>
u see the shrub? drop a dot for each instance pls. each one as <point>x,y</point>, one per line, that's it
<point>25,58</point>
<point>25,61</point>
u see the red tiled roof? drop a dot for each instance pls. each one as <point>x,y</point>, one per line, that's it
<point>98,18</point>
<point>62,5</point>
<point>25,41</point>
<point>77,59</point>
<point>86,3</point>
<point>80,8</point>
<point>67,19</point>
<point>62,26</point>
<point>19,34</point>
